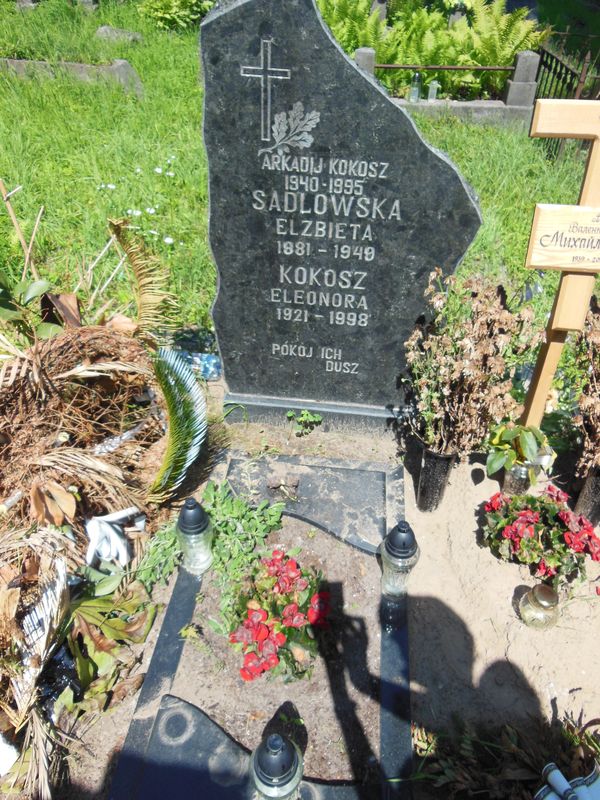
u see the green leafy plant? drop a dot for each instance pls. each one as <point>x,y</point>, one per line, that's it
<point>18,310</point>
<point>512,444</point>
<point>161,558</point>
<point>541,532</point>
<point>274,618</point>
<point>97,628</point>
<point>354,25</point>
<point>304,422</point>
<point>418,34</point>
<point>239,530</point>
<point>175,14</point>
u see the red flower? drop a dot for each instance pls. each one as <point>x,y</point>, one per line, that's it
<point>495,502</point>
<point>253,667</point>
<point>508,532</point>
<point>278,555</point>
<point>260,633</point>
<point>291,569</point>
<point>556,494</point>
<point>598,590</point>
<point>575,541</point>
<point>593,547</point>
<point>301,584</point>
<point>544,570</point>
<point>568,518</point>
<point>257,615</point>
<point>241,635</point>
<point>271,661</point>
<point>291,618</point>
<point>319,609</point>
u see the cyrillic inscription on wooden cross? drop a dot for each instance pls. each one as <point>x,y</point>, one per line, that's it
<point>566,238</point>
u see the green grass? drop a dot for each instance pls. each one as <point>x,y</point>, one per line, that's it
<point>510,173</point>
<point>63,139</point>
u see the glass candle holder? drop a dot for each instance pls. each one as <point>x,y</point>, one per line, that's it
<point>195,535</point>
<point>276,768</point>
<point>433,90</point>
<point>399,553</point>
<point>414,94</point>
<point>516,480</point>
<point>538,607</point>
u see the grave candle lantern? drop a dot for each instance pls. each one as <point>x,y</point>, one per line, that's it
<point>195,535</point>
<point>399,553</point>
<point>276,768</point>
<point>539,607</point>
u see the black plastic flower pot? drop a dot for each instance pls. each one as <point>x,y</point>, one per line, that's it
<point>433,478</point>
<point>588,502</point>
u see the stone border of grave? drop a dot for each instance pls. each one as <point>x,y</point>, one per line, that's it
<point>517,106</point>
<point>119,70</point>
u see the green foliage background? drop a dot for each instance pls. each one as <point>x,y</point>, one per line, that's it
<point>417,34</point>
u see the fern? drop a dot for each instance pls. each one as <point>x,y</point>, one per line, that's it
<point>419,35</point>
<point>186,409</point>
<point>155,305</point>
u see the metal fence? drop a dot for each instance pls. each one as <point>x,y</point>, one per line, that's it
<point>569,75</point>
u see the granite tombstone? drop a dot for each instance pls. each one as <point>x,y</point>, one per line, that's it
<point>327,213</point>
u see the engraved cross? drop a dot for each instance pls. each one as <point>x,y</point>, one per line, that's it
<point>266,73</point>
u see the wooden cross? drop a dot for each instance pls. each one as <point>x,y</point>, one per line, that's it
<point>266,73</point>
<point>566,238</point>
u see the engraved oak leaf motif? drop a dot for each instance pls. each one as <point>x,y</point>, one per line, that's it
<point>292,129</point>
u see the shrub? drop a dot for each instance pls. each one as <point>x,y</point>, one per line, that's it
<point>460,365</point>
<point>488,36</point>
<point>175,14</point>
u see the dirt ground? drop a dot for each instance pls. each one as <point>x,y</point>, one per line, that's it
<point>470,655</point>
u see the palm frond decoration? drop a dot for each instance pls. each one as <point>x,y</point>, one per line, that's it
<point>155,304</point>
<point>100,368</point>
<point>104,481</point>
<point>187,413</point>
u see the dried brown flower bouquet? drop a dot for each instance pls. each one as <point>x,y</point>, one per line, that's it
<point>588,419</point>
<point>462,362</point>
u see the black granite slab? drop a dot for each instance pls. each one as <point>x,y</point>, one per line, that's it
<point>327,213</point>
<point>173,748</point>
<point>356,501</point>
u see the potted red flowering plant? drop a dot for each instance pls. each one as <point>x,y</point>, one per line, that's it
<point>542,532</point>
<point>274,620</point>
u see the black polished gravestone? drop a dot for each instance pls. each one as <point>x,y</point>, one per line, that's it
<point>327,213</point>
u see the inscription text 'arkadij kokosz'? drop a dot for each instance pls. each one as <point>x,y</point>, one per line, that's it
<point>327,210</point>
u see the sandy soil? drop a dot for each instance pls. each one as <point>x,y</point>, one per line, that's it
<point>319,713</point>
<point>471,657</point>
